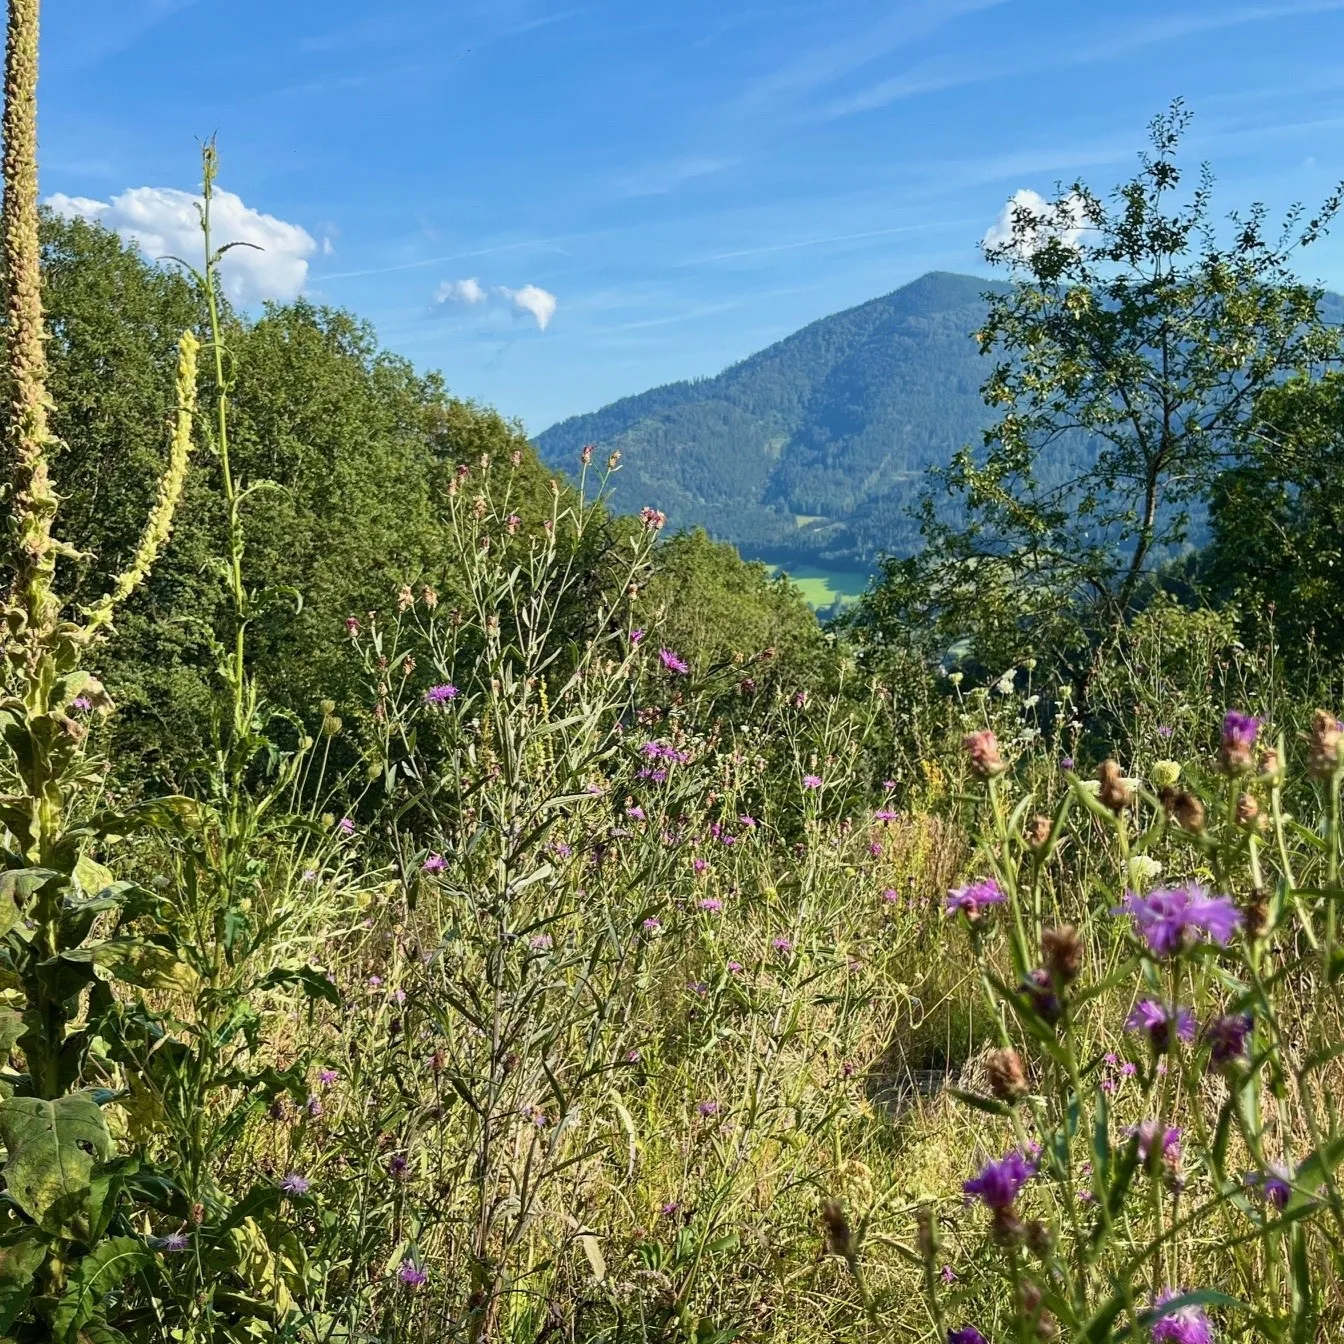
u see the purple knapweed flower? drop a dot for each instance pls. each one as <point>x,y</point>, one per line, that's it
<point>811,781</point>
<point>652,924</point>
<point>540,942</point>
<point>81,702</point>
<point>174,1243</point>
<point>441,695</point>
<point>434,864</point>
<point>1066,762</point>
<point>1184,1325</point>
<point>1147,1134</point>
<point>1164,731</point>
<point>1157,1020</point>
<point>636,636</point>
<point>747,822</point>
<point>635,813</point>
<point>327,1076</point>
<point>375,982</point>
<point>346,826</point>
<point>412,1275</point>
<point>1238,746</point>
<point>999,1183</point>
<point>885,814</point>
<point>782,944</point>
<point>973,897</point>
<point>699,865</point>
<point>968,1334</point>
<point>707,1108</point>
<point>672,662</point>
<point>1166,916</point>
<point>711,904</point>
<point>890,896</point>
<point>396,1167</point>
<point>1275,1184</point>
<point>1227,1037</point>
<point>294,1184</point>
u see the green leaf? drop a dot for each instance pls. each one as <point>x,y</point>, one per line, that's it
<point>106,1267</point>
<point>53,1147</point>
<point>18,886</point>
<point>986,1104</point>
<point>138,962</point>
<point>313,983</point>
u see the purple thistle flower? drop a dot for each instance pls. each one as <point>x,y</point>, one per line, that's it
<point>1147,1134</point>
<point>1066,762</point>
<point>1239,734</point>
<point>412,1275</point>
<point>82,702</point>
<point>968,1334</point>
<point>699,865</point>
<point>672,662</point>
<point>1164,731</point>
<point>974,896</point>
<point>1227,1037</point>
<point>782,944</point>
<point>636,636</point>
<point>1185,1325</point>
<point>327,1077</point>
<point>441,695</point>
<point>396,1167</point>
<point>1275,1184</point>
<point>999,1183</point>
<point>811,781</point>
<point>294,1184</point>
<point>885,814</point>
<point>174,1243</point>
<point>670,1209</point>
<point>890,896</point>
<point>735,967</point>
<point>652,924</point>
<point>1157,1020</point>
<point>707,1108</point>
<point>434,864</point>
<point>635,813</point>
<point>712,905</point>
<point>1164,917</point>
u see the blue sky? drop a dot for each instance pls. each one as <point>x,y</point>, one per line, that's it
<point>685,180</point>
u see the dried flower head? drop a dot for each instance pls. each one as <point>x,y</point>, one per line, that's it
<point>1114,791</point>
<point>1006,1075</point>
<point>983,749</point>
<point>1062,951</point>
<point>1323,744</point>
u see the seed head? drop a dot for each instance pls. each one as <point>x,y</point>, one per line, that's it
<point>1062,950</point>
<point>1114,792</point>
<point>1007,1078</point>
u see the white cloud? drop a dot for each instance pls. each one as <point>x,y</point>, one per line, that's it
<point>460,291</point>
<point>541,303</point>
<point>1027,221</point>
<point>164,222</point>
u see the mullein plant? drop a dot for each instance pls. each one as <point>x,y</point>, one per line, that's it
<point>94,1242</point>
<point>1101,1214</point>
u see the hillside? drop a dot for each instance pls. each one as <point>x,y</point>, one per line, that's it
<point>816,446</point>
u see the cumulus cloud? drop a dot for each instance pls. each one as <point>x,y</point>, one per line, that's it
<point>164,222</point>
<point>460,291</point>
<point>537,303</point>
<point>541,303</point>
<point>1028,221</point>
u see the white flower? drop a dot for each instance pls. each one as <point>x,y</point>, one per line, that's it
<point>1004,685</point>
<point>1143,871</point>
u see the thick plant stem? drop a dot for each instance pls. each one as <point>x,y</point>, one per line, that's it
<point>32,500</point>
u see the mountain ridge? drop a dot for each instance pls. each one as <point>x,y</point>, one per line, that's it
<point>814,447</point>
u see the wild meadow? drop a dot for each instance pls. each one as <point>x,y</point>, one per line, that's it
<point>568,939</point>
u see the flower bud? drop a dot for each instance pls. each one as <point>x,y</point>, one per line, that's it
<point>1165,774</point>
<point>1248,811</point>
<point>1185,809</point>
<point>1062,951</point>
<point>1114,792</point>
<point>1323,744</point>
<point>983,748</point>
<point>1006,1076</point>
<point>1038,831</point>
<point>838,1234</point>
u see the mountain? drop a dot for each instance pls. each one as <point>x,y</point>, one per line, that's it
<point>815,447</point>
